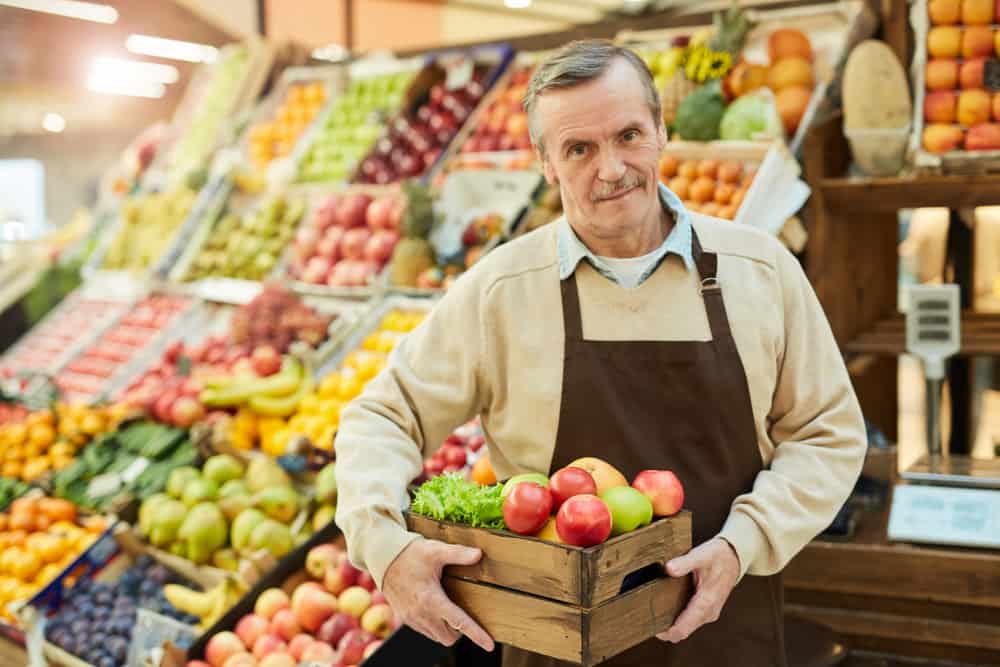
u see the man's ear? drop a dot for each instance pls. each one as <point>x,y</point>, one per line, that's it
<point>661,136</point>
<point>547,169</point>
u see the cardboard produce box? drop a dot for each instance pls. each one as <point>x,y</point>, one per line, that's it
<point>563,601</point>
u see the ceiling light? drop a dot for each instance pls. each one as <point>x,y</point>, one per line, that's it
<point>133,70</point>
<point>517,4</point>
<point>85,11</point>
<point>150,89</point>
<point>173,49</point>
<point>53,122</point>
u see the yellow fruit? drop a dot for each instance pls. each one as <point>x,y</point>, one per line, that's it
<point>297,424</point>
<point>92,423</point>
<point>18,433</point>
<point>8,587</point>
<point>268,426</point>
<point>35,468</point>
<point>309,405</point>
<point>11,469</point>
<point>241,441</point>
<point>372,341</point>
<point>330,410</point>
<point>48,573</point>
<point>325,440</point>
<point>329,386</point>
<point>275,445</point>
<point>9,558</point>
<point>27,566</point>
<point>41,435</point>
<point>387,341</point>
<point>40,417</point>
<point>245,421</point>
<point>350,387</point>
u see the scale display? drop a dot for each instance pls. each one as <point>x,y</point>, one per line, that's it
<point>945,515</point>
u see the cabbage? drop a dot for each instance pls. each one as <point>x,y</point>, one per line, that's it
<point>752,117</point>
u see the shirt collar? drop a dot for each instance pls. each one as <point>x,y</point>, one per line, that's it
<point>678,242</point>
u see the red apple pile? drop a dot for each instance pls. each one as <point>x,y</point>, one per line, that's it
<point>335,618</point>
<point>277,317</point>
<point>412,142</point>
<point>87,376</point>
<point>503,125</point>
<point>348,239</point>
<point>458,451</point>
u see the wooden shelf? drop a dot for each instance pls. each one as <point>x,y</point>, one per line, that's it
<point>886,195</point>
<point>980,336</point>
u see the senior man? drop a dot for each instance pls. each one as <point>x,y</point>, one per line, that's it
<point>630,330</point>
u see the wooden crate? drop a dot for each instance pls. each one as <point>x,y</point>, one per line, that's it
<point>564,601</point>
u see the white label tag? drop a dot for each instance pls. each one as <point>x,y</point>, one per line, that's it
<point>459,74</point>
<point>130,474</point>
<point>104,485</point>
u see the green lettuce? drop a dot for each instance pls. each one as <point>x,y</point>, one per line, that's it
<point>450,497</point>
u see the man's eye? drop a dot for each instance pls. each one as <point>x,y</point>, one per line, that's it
<point>579,150</point>
<point>631,135</point>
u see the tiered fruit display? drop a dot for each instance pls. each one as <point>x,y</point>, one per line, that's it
<point>199,137</point>
<point>318,413</point>
<point>47,441</point>
<point>112,460</point>
<point>248,246</point>
<point>276,137</point>
<point>413,141</point>
<point>39,538</point>
<point>148,225</point>
<point>44,345</point>
<point>347,240</point>
<point>710,187</point>
<point>353,125</point>
<point>961,110</point>
<point>334,617</point>
<point>96,619</point>
<point>224,511</point>
<point>503,125</point>
<point>87,376</point>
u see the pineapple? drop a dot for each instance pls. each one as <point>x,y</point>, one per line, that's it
<point>414,254</point>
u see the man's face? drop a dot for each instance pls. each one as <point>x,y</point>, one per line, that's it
<point>602,147</point>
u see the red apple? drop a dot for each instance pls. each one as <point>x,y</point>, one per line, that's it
<point>319,652</point>
<point>663,489</point>
<point>378,598</point>
<point>265,360</point>
<point>221,646</point>
<point>316,270</point>
<point>315,606</point>
<point>352,646</point>
<point>526,508</point>
<point>320,559</point>
<point>379,247</point>
<point>353,244</point>
<point>326,214</point>
<point>336,627</point>
<point>379,214</point>
<point>301,589</point>
<point>366,581</point>
<point>378,620</point>
<point>363,273</point>
<point>267,644</point>
<point>475,443</point>
<point>306,240</point>
<point>342,577</point>
<point>583,521</point>
<point>186,411</point>
<point>342,274</point>
<point>242,659</point>
<point>454,455</point>
<point>163,405</point>
<point>251,628</point>
<point>285,624</point>
<point>371,648</point>
<point>569,482</point>
<point>353,209</point>
<point>299,644</point>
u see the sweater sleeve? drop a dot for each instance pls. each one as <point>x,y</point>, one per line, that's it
<point>818,432</point>
<point>431,384</point>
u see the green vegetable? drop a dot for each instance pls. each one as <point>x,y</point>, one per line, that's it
<point>751,117</point>
<point>452,498</point>
<point>699,115</point>
<point>10,490</point>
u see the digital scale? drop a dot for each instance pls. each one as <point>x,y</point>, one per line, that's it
<point>952,500</point>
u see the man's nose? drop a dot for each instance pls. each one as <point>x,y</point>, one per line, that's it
<point>611,168</point>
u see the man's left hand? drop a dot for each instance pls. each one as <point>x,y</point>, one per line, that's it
<point>716,568</point>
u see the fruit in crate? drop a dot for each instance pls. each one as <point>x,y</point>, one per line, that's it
<point>308,622</point>
<point>148,225</point>
<point>276,137</point>
<point>347,240</point>
<point>503,124</point>
<point>353,125</point>
<point>277,317</point>
<point>414,253</point>
<point>411,143</point>
<point>711,187</point>
<point>251,245</point>
<point>96,619</point>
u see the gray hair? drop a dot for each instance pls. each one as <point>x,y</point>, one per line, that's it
<point>579,62</point>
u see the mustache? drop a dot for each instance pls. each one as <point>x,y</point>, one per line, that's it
<point>611,190</point>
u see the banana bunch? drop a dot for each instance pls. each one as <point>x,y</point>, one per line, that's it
<point>277,395</point>
<point>672,60</point>
<point>208,605</point>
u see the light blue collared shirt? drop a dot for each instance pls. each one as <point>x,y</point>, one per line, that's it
<point>572,250</point>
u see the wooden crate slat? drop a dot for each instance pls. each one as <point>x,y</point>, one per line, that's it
<point>525,621</point>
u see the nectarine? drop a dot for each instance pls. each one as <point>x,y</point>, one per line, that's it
<point>788,72</point>
<point>940,138</point>
<point>702,189</point>
<point>944,12</point>
<point>985,137</point>
<point>940,105</point>
<point>974,107</point>
<point>944,41</point>
<point>604,474</point>
<point>791,104</point>
<point>941,74</point>
<point>977,12</point>
<point>970,74</point>
<point>977,41</point>
<point>788,42</point>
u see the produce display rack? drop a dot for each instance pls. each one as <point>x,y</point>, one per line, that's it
<point>212,201</point>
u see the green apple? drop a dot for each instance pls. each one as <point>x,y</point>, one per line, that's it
<point>630,509</point>
<point>536,477</point>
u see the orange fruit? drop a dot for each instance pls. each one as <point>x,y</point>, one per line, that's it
<point>11,469</point>
<point>708,168</point>
<point>62,449</point>
<point>94,524</point>
<point>40,417</point>
<point>57,509</point>
<point>41,434</point>
<point>35,468</point>
<point>18,434</point>
<point>702,189</point>
<point>27,566</point>
<point>730,171</point>
<point>688,169</point>
<point>723,193</point>
<point>22,521</point>
<point>668,167</point>
<point>8,559</point>
<point>3,522</point>
<point>92,424</point>
<point>680,186</point>
<point>48,572</point>
<point>16,538</point>
<point>482,471</point>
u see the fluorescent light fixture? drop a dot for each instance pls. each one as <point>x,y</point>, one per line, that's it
<point>517,4</point>
<point>117,77</point>
<point>85,11</point>
<point>123,69</point>
<point>172,49</point>
<point>53,122</point>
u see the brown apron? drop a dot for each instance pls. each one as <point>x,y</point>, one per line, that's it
<point>682,406</point>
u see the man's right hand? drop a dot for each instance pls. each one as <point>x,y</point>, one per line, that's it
<point>412,586</point>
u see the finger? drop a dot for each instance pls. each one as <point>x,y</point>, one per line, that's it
<point>682,565</point>
<point>449,635</point>
<point>453,554</point>
<point>697,613</point>
<point>459,620</point>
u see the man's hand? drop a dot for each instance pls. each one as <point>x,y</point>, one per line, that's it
<point>716,568</point>
<point>412,586</point>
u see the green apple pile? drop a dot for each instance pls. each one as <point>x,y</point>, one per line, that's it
<point>248,246</point>
<point>588,501</point>
<point>224,84</point>
<point>356,120</point>
<point>148,225</point>
<point>226,511</point>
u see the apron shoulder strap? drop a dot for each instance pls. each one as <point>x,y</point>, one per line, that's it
<point>571,309</point>
<point>711,291</point>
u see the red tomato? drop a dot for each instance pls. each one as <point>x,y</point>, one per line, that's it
<point>527,508</point>
<point>569,482</point>
<point>583,521</point>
